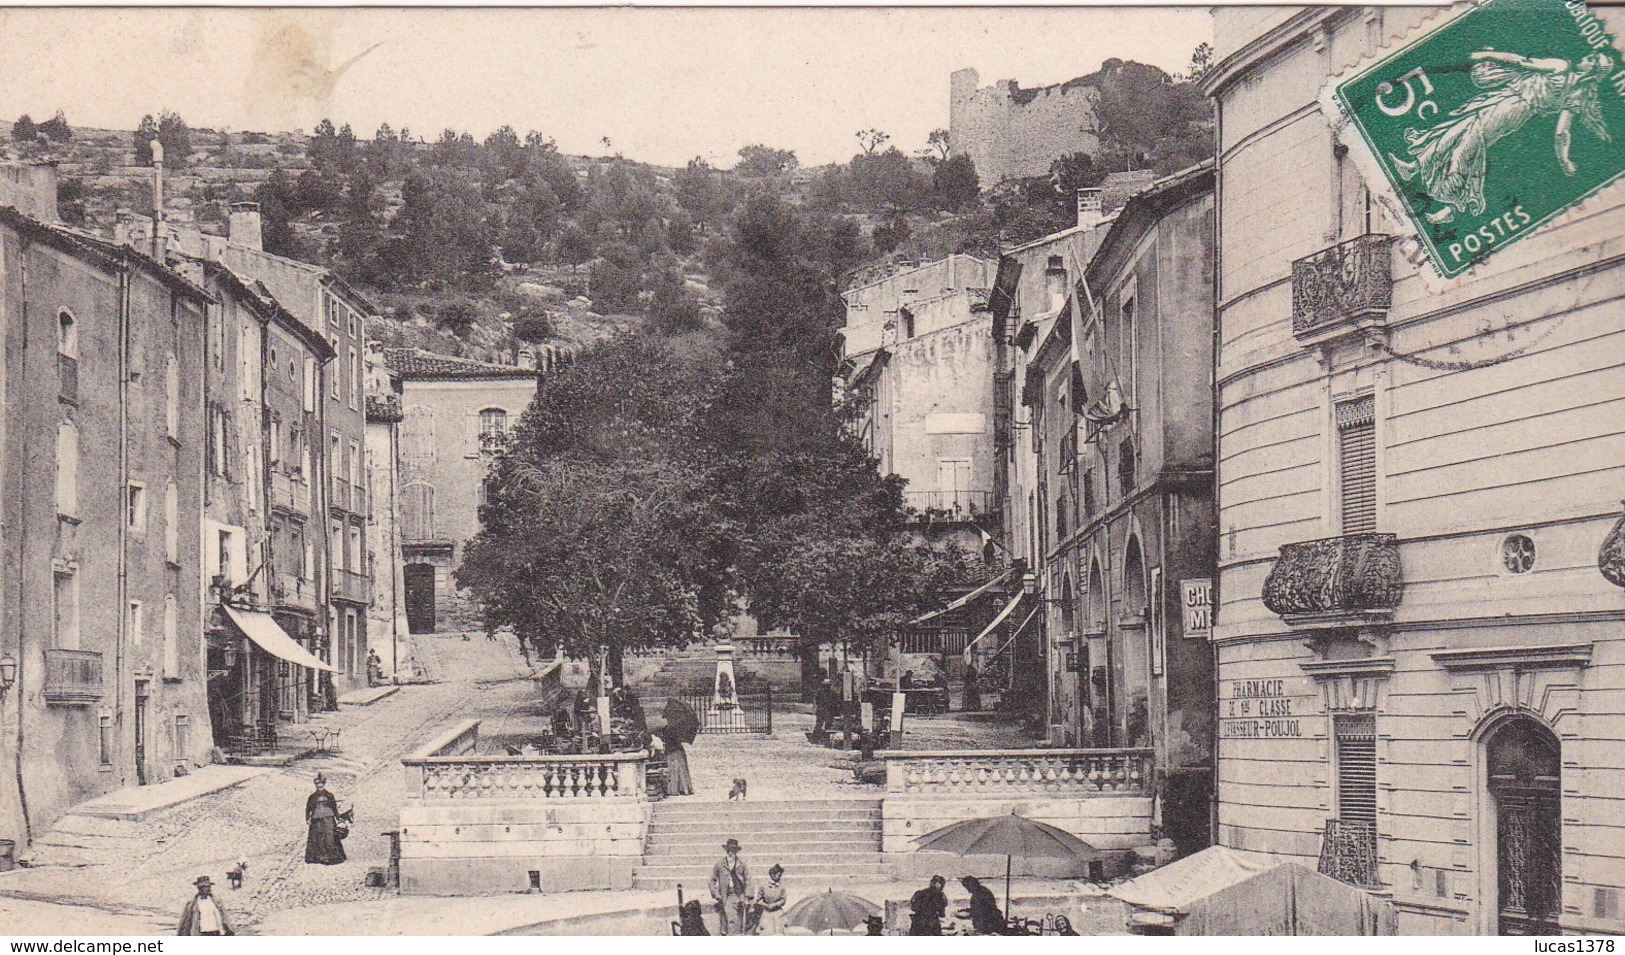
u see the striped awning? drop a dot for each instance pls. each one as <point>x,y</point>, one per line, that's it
<point>269,636</point>
<point>1004,615</point>
<point>962,601</point>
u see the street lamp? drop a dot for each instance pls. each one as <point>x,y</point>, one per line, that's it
<point>8,672</point>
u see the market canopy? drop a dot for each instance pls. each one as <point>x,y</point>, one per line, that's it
<point>962,601</point>
<point>269,636</point>
<point>1220,891</point>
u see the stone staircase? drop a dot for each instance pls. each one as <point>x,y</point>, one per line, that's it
<point>818,841</point>
<point>78,841</point>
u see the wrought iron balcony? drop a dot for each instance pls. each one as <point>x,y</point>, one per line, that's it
<point>951,505</point>
<point>1349,285</point>
<point>1348,852</point>
<point>73,677</point>
<point>1336,579</point>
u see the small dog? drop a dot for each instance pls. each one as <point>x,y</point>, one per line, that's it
<point>737,794</point>
<point>235,874</point>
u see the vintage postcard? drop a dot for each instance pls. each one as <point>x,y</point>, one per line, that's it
<point>825,472</point>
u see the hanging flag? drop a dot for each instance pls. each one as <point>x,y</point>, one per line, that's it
<point>1109,408</point>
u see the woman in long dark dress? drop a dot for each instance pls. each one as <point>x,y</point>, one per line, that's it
<point>322,845</point>
<point>679,782</point>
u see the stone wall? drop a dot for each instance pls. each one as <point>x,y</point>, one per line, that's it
<point>491,825</point>
<point>1011,133</point>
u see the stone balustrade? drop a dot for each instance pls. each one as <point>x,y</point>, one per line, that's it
<point>448,769</point>
<point>1062,772</point>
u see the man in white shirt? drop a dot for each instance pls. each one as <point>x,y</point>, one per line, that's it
<point>203,915</point>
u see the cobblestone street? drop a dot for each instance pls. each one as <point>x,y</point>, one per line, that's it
<point>262,820</point>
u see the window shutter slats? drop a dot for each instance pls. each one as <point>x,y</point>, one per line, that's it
<point>1356,768</point>
<point>1357,464</point>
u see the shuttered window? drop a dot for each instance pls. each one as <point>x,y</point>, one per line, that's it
<point>1356,738</point>
<point>1357,464</point>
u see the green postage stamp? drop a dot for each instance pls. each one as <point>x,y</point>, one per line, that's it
<point>1487,127</point>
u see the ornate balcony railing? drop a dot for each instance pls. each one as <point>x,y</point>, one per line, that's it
<point>1070,772</point>
<point>451,769</point>
<point>73,677</point>
<point>951,505</point>
<point>1356,575</point>
<point>293,591</point>
<point>352,586</point>
<point>1349,284</point>
<point>1348,852</point>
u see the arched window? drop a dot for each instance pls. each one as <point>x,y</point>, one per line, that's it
<point>1069,618</point>
<point>1134,600</point>
<point>1094,606</point>
<point>417,511</point>
<point>67,334</point>
<point>67,469</point>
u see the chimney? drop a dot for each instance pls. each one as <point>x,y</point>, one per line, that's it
<point>526,359</point>
<point>1055,283</point>
<point>1089,211</point>
<point>245,225</point>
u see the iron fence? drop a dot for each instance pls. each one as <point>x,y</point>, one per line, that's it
<point>750,713</point>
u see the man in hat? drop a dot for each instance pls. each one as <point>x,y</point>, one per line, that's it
<point>203,915</point>
<point>730,881</point>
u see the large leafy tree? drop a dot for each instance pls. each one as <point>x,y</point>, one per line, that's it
<point>597,533</point>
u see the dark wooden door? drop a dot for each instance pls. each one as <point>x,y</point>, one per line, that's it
<point>141,732</point>
<point>420,598</point>
<point>1524,779</point>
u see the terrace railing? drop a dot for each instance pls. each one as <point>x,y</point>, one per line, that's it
<point>1074,772</point>
<point>451,769</point>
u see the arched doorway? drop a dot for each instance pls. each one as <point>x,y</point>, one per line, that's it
<point>1134,632</point>
<point>1523,763</point>
<point>419,580</point>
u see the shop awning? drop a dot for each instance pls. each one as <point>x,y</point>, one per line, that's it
<point>962,601</point>
<point>1016,631</point>
<point>1004,615</point>
<point>270,637</point>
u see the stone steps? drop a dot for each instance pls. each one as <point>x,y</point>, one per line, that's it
<point>818,841</point>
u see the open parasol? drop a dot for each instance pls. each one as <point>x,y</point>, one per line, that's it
<point>829,911</point>
<point>1007,836</point>
<point>682,723</point>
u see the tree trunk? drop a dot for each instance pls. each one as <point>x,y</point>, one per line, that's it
<point>810,669</point>
<point>617,664</point>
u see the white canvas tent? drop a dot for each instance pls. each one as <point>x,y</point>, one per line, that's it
<point>1220,891</point>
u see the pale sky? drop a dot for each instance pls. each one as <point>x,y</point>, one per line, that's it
<point>664,85</point>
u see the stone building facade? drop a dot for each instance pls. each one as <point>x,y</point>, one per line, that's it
<point>919,366</point>
<point>1015,133</point>
<point>1419,658</point>
<point>456,415</point>
<point>1109,329</point>
<point>386,616</point>
<point>101,453</point>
